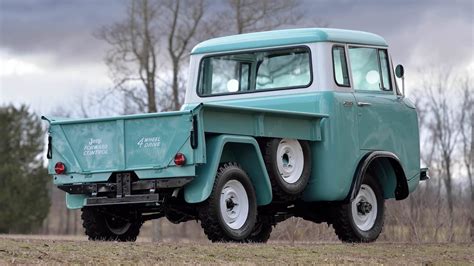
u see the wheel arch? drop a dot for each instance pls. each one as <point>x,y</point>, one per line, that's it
<point>389,170</point>
<point>224,148</point>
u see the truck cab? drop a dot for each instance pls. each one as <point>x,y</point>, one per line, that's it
<point>347,75</point>
<point>301,122</point>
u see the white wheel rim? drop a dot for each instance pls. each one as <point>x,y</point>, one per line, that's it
<point>364,215</point>
<point>234,204</point>
<point>290,160</point>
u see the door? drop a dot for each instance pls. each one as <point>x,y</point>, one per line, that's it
<point>385,121</point>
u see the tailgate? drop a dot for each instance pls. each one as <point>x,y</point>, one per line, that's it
<point>135,142</point>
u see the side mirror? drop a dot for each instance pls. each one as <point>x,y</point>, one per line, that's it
<point>399,71</point>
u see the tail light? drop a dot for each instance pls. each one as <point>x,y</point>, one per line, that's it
<point>60,168</point>
<point>179,159</point>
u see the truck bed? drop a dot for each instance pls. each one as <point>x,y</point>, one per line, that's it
<point>93,149</point>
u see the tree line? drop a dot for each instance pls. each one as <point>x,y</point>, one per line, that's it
<point>149,48</point>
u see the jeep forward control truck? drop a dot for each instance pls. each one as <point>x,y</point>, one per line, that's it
<point>303,122</point>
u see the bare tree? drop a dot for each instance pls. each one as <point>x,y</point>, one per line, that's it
<point>260,15</point>
<point>466,124</point>
<point>185,20</point>
<point>134,50</point>
<point>439,85</point>
<point>135,59</point>
<point>429,157</point>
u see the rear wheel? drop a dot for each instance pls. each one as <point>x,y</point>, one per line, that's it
<point>362,219</point>
<point>229,214</point>
<point>288,162</point>
<point>101,224</point>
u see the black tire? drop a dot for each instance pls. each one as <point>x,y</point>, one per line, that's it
<point>100,225</point>
<point>212,220</point>
<point>282,190</point>
<point>345,225</point>
<point>261,232</point>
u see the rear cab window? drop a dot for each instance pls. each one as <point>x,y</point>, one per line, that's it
<point>255,71</point>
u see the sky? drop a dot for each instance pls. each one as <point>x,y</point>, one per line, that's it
<point>49,56</point>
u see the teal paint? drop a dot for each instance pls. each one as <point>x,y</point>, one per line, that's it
<point>147,144</point>
<point>259,122</point>
<point>120,142</point>
<point>341,141</point>
<point>286,37</point>
<point>168,172</point>
<point>389,124</point>
<point>246,152</point>
<point>75,201</point>
<point>413,182</point>
<point>336,156</point>
<point>340,135</point>
<point>143,142</point>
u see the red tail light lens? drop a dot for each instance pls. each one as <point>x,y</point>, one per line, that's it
<point>59,168</point>
<point>179,159</point>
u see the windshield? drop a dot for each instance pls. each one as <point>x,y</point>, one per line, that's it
<point>255,71</point>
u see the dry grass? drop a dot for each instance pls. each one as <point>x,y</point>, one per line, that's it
<point>26,251</point>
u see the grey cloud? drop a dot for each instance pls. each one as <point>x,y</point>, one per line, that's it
<point>435,31</point>
<point>419,32</point>
<point>65,27</point>
<point>62,29</point>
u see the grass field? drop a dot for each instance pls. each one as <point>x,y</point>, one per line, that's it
<point>25,250</point>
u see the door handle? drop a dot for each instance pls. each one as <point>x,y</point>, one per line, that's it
<point>362,104</point>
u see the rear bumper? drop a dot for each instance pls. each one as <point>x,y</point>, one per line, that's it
<point>125,186</point>
<point>124,190</point>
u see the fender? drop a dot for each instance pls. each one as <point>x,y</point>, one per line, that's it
<point>401,190</point>
<point>246,152</point>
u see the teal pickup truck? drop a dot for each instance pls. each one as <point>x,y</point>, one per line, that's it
<point>303,122</point>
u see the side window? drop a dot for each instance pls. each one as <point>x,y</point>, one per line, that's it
<point>341,74</point>
<point>370,69</point>
<point>384,66</point>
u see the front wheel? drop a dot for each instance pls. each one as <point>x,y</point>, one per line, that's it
<point>230,212</point>
<point>362,219</point>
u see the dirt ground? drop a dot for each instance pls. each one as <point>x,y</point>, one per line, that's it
<point>37,249</point>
